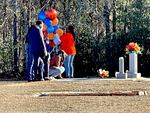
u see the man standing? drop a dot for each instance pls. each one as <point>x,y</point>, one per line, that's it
<point>38,49</point>
<point>29,57</point>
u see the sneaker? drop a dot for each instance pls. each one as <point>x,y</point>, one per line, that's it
<point>52,78</point>
<point>42,79</point>
<point>47,78</point>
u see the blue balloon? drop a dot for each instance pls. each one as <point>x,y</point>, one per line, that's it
<point>47,22</point>
<point>55,28</point>
<point>41,15</point>
<point>50,29</point>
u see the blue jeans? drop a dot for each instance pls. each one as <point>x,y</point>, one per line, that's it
<point>68,63</point>
<point>29,60</point>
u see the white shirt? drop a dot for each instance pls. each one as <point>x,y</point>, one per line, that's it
<point>42,36</point>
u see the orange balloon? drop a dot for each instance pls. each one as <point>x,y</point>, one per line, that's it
<point>59,32</point>
<point>55,22</point>
<point>51,36</point>
<point>44,27</point>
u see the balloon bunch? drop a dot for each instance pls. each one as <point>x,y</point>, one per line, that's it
<point>51,28</point>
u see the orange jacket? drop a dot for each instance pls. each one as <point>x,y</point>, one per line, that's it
<point>68,44</point>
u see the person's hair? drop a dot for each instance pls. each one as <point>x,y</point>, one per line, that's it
<point>38,22</point>
<point>71,30</point>
<point>60,52</point>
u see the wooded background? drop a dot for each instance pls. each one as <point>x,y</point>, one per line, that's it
<point>103,29</point>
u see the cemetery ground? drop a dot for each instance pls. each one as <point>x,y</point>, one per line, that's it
<point>21,96</point>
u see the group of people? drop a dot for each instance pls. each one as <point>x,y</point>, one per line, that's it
<point>44,62</point>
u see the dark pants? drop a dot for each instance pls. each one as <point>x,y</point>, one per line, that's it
<point>29,60</point>
<point>35,65</point>
<point>46,66</point>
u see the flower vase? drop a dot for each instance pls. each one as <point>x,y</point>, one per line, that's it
<point>133,62</point>
<point>133,66</point>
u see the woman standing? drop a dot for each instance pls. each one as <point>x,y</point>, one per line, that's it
<point>68,46</point>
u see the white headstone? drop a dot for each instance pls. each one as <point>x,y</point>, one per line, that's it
<point>121,65</point>
<point>121,74</point>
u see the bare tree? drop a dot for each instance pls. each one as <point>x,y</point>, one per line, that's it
<point>106,13</point>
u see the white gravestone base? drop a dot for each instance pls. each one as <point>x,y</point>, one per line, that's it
<point>121,75</point>
<point>132,75</point>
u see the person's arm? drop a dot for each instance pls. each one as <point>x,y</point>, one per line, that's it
<point>58,61</point>
<point>61,62</point>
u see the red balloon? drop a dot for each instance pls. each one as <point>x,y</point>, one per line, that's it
<point>51,14</point>
<point>51,43</point>
<point>45,33</point>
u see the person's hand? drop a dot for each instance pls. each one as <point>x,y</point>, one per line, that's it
<point>65,54</point>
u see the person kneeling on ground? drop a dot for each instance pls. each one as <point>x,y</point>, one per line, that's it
<point>56,68</point>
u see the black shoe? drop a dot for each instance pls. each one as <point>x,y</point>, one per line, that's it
<point>34,80</point>
<point>29,80</point>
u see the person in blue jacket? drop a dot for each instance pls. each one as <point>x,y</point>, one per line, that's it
<point>37,47</point>
<point>29,57</point>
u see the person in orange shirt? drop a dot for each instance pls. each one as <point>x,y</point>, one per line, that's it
<point>68,46</point>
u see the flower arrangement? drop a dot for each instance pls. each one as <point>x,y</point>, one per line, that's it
<point>103,73</point>
<point>133,47</point>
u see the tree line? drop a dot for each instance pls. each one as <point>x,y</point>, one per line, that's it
<point>103,29</point>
